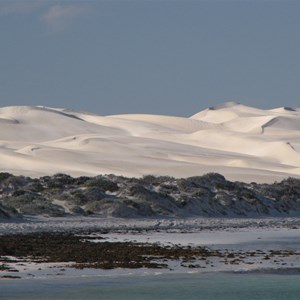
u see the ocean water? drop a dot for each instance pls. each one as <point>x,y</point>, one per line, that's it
<point>219,286</point>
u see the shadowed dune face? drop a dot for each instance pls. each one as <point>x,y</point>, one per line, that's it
<point>242,143</point>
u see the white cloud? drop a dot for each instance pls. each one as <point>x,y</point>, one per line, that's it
<point>58,17</point>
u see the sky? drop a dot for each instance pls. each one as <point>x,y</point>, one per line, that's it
<point>172,57</point>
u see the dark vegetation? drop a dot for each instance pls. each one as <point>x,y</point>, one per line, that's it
<point>150,196</point>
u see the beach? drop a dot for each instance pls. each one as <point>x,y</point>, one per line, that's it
<point>244,259</point>
<point>197,245</point>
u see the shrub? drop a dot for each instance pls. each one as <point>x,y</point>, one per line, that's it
<point>103,183</point>
<point>4,176</point>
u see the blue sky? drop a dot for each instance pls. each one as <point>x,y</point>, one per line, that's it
<point>149,56</point>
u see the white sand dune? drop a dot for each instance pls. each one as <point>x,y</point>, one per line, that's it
<point>240,142</point>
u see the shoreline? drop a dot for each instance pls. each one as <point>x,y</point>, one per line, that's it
<point>169,246</point>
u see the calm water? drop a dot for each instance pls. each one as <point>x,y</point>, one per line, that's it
<point>175,287</point>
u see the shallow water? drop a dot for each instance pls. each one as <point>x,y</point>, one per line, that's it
<point>218,286</point>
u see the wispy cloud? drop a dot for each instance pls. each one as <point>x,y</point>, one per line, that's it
<point>19,7</point>
<point>58,17</point>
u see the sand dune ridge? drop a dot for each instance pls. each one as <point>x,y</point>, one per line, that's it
<point>241,142</point>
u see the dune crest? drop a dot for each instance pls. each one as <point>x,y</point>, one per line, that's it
<point>241,142</point>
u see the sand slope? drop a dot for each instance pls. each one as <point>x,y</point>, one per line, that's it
<point>240,142</point>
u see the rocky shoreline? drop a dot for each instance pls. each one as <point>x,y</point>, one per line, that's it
<point>82,252</point>
<point>58,253</point>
